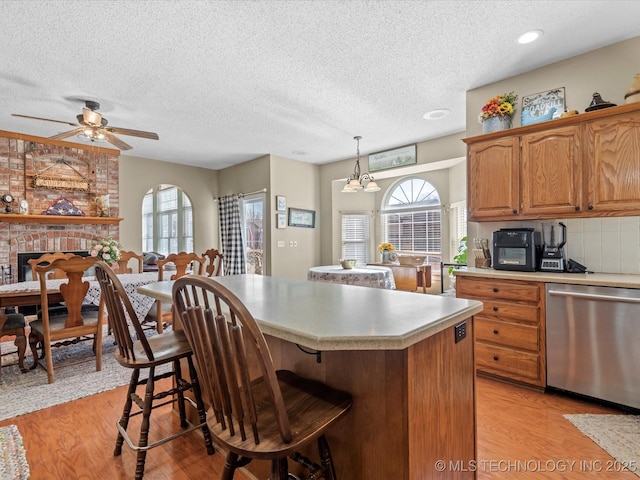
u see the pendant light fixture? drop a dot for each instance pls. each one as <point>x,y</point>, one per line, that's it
<point>356,181</point>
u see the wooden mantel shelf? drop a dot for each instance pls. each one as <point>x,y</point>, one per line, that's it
<point>58,219</point>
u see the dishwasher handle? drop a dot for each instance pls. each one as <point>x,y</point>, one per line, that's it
<point>594,296</point>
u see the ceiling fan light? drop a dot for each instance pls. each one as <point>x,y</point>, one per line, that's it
<point>100,136</point>
<point>91,117</point>
<point>88,132</point>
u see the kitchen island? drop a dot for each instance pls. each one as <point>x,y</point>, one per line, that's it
<point>396,352</point>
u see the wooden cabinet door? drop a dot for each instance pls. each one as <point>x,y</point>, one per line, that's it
<point>613,164</point>
<point>551,173</point>
<point>493,179</point>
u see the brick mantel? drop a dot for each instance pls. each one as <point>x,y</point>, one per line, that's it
<point>58,219</point>
<point>23,157</point>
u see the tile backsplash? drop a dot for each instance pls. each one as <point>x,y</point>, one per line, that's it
<point>603,245</point>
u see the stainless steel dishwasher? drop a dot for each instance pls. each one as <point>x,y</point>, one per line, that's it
<point>593,342</point>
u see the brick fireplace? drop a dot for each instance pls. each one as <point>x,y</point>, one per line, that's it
<point>76,172</point>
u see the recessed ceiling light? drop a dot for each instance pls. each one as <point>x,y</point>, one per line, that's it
<point>436,114</point>
<point>530,36</point>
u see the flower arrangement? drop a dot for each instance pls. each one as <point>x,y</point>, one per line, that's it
<point>499,106</point>
<point>386,247</point>
<point>106,249</point>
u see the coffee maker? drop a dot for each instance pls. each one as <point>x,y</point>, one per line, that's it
<point>554,236</point>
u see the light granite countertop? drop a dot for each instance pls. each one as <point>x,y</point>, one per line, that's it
<point>327,316</point>
<point>598,279</point>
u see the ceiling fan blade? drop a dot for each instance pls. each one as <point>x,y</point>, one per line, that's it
<point>45,119</point>
<point>133,133</point>
<point>68,134</point>
<point>109,137</point>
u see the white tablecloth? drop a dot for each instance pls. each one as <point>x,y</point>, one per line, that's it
<point>367,276</point>
<point>130,281</point>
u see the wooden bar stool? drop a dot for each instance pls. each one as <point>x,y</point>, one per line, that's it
<point>270,417</point>
<point>147,354</point>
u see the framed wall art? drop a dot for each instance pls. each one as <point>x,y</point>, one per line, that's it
<point>302,218</point>
<point>281,203</point>
<point>542,106</point>
<point>282,220</point>
<point>398,157</point>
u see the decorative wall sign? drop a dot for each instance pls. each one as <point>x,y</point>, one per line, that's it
<point>281,203</point>
<point>542,106</point>
<point>302,218</point>
<point>55,182</point>
<point>398,157</point>
<point>58,183</point>
<point>282,220</point>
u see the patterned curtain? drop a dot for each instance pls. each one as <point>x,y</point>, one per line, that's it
<point>231,232</point>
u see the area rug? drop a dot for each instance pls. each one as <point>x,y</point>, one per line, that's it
<point>13,461</point>
<point>618,435</point>
<point>22,393</point>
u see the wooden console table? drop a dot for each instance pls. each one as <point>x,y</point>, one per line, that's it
<point>409,277</point>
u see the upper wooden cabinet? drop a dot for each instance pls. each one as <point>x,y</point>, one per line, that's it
<point>613,166</point>
<point>551,171</point>
<point>493,178</point>
<point>581,166</point>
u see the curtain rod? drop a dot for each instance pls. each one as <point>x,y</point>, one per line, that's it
<point>244,194</point>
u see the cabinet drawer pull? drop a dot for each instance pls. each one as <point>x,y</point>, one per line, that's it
<point>577,207</point>
<point>590,207</point>
<point>496,289</point>
<point>496,331</point>
<point>515,211</point>
<point>495,309</point>
<point>496,358</point>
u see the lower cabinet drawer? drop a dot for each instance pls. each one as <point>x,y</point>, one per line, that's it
<point>507,334</point>
<point>506,362</point>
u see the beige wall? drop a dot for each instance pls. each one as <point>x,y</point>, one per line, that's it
<point>299,183</point>
<point>431,155</point>
<point>608,71</point>
<point>138,175</point>
<point>610,245</point>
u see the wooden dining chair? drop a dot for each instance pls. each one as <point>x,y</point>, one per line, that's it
<point>214,258</point>
<point>270,417</point>
<point>125,257</point>
<point>14,326</point>
<point>147,354</point>
<point>45,259</point>
<point>73,323</point>
<point>180,263</point>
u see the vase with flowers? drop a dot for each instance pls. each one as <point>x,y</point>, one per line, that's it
<point>385,249</point>
<point>107,250</point>
<point>497,113</point>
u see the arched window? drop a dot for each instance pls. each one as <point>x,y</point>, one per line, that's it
<point>167,221</point>
<point>411,217</point>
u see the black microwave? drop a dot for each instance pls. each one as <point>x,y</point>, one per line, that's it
<point>516,249</point>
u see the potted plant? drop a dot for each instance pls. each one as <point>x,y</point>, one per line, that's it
<point>496,113</point>
<point>461,256</point>
<point>385,249</point>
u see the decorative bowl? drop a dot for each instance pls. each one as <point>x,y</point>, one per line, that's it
<point>347,264</point>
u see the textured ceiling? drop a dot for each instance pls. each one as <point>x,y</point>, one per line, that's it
<point>223,82</point>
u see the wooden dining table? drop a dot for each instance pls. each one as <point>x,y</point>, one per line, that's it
<point>22,294</point>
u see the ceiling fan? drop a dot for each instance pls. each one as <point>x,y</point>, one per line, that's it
<point>94,126</point>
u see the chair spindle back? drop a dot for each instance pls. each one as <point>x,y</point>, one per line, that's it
<point>119,308</point>
<point>225,340</point>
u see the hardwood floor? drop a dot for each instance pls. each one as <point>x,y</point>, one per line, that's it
<point>521,435</point>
